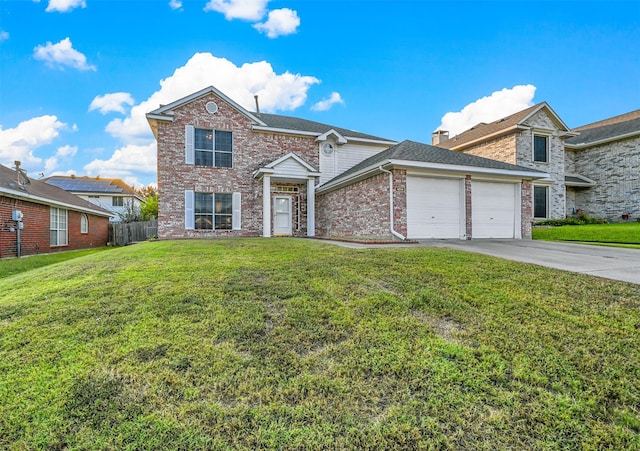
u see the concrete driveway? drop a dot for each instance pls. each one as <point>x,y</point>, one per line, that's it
<point>608,262</point>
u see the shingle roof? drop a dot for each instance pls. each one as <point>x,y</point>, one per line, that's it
<point>609,131</point>
<point>424,153</point>
<point>44,191</point>
<point>294,123</point>
<point>612,120</point>
<point>90,185</point>
<point>481,130</point>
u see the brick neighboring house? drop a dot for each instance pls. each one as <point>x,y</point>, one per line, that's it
<point>608,152</point>
<point>594,168</point>
<point>113,195</point>
<point>225,171</point>
<point>52,219</point>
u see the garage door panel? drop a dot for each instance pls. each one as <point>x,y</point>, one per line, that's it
<point>493,209</point>
<point>433,207</point>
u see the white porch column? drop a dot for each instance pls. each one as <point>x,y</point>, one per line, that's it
<point>266,206</point>
<point>311,207</point>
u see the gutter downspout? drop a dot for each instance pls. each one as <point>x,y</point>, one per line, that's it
<point>391,229</point>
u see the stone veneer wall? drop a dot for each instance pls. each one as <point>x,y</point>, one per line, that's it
<point>251,150</point>
<point>362,209</point>
<point>500,149</point>
<point>615,167</point>
<point>526,208</point>
<point>555,166</point>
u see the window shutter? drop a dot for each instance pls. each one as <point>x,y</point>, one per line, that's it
<point>189,138</point>
<point>237,208</point>
<point>189,220</point>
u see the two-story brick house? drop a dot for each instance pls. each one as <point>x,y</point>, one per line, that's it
<point>226,171</point>
<point>593,169</point>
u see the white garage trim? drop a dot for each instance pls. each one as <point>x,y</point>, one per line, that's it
<point>435,207</point>
<point>495,209</point>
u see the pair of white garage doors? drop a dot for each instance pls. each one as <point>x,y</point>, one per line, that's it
<point>436,208</point>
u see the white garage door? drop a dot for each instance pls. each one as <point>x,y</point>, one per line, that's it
<point>494,210</point>
<point>434,208</point>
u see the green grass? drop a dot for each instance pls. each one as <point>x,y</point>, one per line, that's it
<point>618,233</point>
<point>11,266</point>
<point>283,343</point>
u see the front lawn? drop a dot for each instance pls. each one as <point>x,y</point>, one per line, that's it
<point>619,233</point>
<point>285,343</point>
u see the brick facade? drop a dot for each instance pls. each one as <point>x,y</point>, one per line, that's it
<point>35,236</point>
<point>615,167</point>
<point>251,150</point>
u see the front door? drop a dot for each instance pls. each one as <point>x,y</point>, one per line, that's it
<point>282,215</point>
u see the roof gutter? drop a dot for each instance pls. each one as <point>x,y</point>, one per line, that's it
<point>601,141</point>
<point>45,201</point>
<point>391,225</point>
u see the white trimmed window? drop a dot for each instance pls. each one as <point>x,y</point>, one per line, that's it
<point>212,211</point>
<point>84,223</point>
<point>117,201</point>
<point>58,226</point>
<point>205,147</point>
<point>540,148</point>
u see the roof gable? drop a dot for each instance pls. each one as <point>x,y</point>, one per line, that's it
<point>165,112</point>
<point>509,124</point>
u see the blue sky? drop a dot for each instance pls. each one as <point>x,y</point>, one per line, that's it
<point>77,76</point>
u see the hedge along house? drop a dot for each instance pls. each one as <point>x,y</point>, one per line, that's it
<point>414,190</point>
<point>39,218</point>
<point>225,171</point>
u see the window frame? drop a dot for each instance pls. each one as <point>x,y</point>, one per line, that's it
<point>120,202</point>
<point>546,201</point>
<point>84,224</point>
<point>214,215</point>
<point>546,149</point>
<point>57,228</point>
<point>219,153</point>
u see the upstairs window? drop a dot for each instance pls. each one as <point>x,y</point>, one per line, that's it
<point>117,201</point>
<point>540,148</point>
<point>209,147</point>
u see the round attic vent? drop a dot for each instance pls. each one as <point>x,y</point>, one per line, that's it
<point>212,107</point>
<point>327,148</point>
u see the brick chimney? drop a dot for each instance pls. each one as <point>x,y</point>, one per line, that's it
<point>439,136</point>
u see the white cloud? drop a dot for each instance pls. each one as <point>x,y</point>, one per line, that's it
<point>111,102</point>
<point>280,22</point>
<point>21,142</point>
<point>282,92</point>
<point>326,104</point>
<point>238,9</point>
<point>63,6</point>
<point>488,109</point>
<point>4,35</point>
<point>62,54</point>
<point>63,153</point>
<point>175,4</point>
<point>125,163</point>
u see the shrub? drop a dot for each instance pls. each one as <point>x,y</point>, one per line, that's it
<point>572,220</point>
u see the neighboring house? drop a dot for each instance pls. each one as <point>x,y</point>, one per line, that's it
<point>225,171</point>
<point>608,152</point>
<point>593,169</point>
<point>38,218</point>
<point>533,138</point>
<point>113,195</point>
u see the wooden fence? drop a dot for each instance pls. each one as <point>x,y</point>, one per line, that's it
<point>124,233</point>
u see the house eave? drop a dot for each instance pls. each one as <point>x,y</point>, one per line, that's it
<point>53,203</point>
<point>578,146</point>
<point>499,133</point>
<point>346,138</point>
